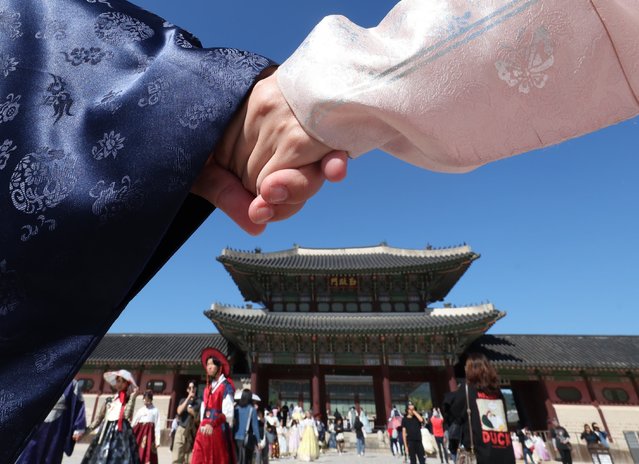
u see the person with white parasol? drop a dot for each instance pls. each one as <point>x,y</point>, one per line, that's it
<point>115,443</point>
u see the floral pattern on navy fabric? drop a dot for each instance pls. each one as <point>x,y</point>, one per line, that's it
<point>72,76</point>
<point>31,230</point>
<point>112,201</point>
<point>181,167</point>
<point>58,97</point>
<point>81,55</point>
<point>9,296</point>
<point>156,93</point>
<point>223,60</point>
<point>144,62</point>
<point>5,152</point>
<point>10,404</point>
<point>109,145</point>
<point>182,41</point>
<point>42,179</point>
<point>119,28</point>
<point>104,2</point>
<point>10,24</point>
<point>7,64</point>
<point>54,29</point>
<point>110,101</point>
<point>10,108</point>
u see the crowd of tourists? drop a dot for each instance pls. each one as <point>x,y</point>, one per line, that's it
<point>229,425</point>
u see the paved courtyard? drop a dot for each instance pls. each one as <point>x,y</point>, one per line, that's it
<point>373,457</point>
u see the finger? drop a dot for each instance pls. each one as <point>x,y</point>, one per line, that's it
<point>334,166</point>
<point>224,190</point>
<point>297,149</point>
<point>292,186</point>
<point>262,212</point>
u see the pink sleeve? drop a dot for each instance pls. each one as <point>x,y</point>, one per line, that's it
<point>450,85</point>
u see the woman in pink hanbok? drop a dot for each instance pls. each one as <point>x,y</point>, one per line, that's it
<point>540,448</point>
<point>517,446</point>
<point>293,438</point>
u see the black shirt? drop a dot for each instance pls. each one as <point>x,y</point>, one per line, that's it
<point>413,427</point>
<point>185,417</point>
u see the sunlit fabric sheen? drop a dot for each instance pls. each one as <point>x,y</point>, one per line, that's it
<point>107,113</point>
<point>450,85</point>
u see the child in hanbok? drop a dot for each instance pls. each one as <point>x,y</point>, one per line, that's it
<point>115,444</point>
<point>309,446</point>
<point>146,428</point>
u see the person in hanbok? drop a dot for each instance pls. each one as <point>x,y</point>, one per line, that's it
<point>540,448</point>
<point>363,417</point>
<point>214,442</point>
<point>282,439</point>
<point>517,446</point>
<point>394,423</point>
<point>115,442</point>
<point>309,445</point>
<point>293,438</point>
<point>298,413</point>
<point>62,428</point>
<point>146,428</point>
<point>448,91</point>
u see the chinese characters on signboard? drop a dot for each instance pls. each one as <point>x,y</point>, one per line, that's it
<point>342,282</point>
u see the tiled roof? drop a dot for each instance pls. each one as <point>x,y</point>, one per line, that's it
<point>347,260</point>
<point>560,351</point>
<point>438,322</point>
<point>180,349</point>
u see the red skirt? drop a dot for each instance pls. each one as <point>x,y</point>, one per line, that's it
<point>216,448</point>
<point>145,437</point>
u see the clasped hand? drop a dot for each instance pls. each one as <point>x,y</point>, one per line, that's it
<point>266,166</point>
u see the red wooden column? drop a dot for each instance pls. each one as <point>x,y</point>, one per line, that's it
<point>595,403</point>
<point>386,389</point>
<point>315,390</point>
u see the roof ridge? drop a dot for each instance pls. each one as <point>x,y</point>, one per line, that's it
<point>382,248</point>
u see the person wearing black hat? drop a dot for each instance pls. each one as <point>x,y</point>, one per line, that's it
<point>214,439</point>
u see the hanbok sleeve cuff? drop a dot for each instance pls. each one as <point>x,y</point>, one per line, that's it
<point>450,85</point>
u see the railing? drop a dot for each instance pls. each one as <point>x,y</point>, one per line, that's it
<point>581,452</point>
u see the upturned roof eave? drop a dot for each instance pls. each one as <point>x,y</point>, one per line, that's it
<point>266,268</point>
<point>462,326</point>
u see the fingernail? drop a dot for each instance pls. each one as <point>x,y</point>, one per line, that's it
<point>263,214</point>
<point>278,194</point>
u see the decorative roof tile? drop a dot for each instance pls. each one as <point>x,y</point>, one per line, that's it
<point>560,351</point>
<point>438,321</point>
<point>347,260</point>
<point>180,349</point>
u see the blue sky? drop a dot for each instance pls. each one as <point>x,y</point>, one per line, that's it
<point>557,228</point>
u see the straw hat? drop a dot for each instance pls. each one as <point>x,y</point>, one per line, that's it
<point>126,375</point>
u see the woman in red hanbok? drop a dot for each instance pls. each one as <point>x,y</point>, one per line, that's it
<point>214,440</point>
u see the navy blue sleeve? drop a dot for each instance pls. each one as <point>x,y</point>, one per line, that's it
<point>107,113</point>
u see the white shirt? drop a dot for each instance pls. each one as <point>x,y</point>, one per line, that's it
<point>146,415</point>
